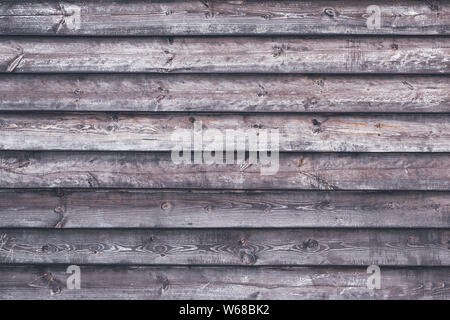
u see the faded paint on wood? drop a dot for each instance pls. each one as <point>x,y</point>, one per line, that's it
<point>323,171</point>
<point>134,132</point>
<point>146,282</point>
<point>361,247</point>
<point>222,209</point>
<point>224,93</point>
<point>345,54</point>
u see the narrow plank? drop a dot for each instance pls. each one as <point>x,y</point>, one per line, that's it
<point>224,93</point>
<point>146,282</point>
<point>146,132</point>
<point>362,247</point>
<point>344,54</point>
<point>221,209</point>
<point>325,171</point>
<point>212,17</point>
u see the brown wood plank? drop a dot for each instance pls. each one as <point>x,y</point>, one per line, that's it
<point>212,17</point>
<point>344,54</point>
<point>221,209</point>
<point>224,93</point>
<point>394,247</point>
<point>144,132</point>
<point>326,171</point>
<point>146,282</point>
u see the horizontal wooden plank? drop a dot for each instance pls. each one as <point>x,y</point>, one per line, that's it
<point>394,247</point>
<point>326,171</point>
<point>212,17</point>
<point>145,282</point>
<point>146,132</point>
<point>224,93</point>
<point>428,55</point>
<point>221,208</point>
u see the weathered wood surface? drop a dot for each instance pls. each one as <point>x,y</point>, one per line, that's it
<point>130,282</point>
<point>323,171</point>
<point>144,132</point>
<point>392,247</point>
<point>344,54</point>
<point>212,17</point>
<point>87,178</point>
<point>221,209</point>
<point>224,93</point>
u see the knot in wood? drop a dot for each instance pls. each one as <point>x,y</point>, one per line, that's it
<point>48,248</point>
<point>317,128</point>
<point>56,289</point>
<point>166,206</point>
<point>330,12</point>
<point>59,209</point>
<point>310,244</point>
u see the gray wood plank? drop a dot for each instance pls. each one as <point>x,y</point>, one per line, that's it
<point>393,247</point>
<point>323,171</point>
<point>221,209</point>
<point>344,54</point>
<point>212,17</point>
<point>146,132</point>
<point>224,93</point>
<point>145,282</point>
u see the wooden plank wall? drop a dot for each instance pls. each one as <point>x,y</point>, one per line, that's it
<point>90,92</point>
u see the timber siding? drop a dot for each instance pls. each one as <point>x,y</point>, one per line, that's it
<point>91,91</point>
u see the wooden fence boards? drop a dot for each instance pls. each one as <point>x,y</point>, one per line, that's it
<point>316,171</point>
<point>91,92</point>
<point>362,247</point>
<point>224,93</point>
<point>120,18</point>
<point>231,283</point>
<point>134,132</point>
<point>344,54</point>
<point>222,209</point>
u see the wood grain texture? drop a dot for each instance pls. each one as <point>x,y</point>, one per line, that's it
<point>363,247</point>
<point>221,209</point>
<point>344,54</point>
<point>91,91</point>
<point>144,132</point>
<point>146,282</point>
<point>212,17</point>
<point>323,171</point>
<point>224,93</point>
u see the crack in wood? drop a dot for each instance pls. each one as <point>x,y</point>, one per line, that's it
<point>318,182</point>
<point>15,63</point>
<point>432,4</point>
<point>92,180</point>
<point>47,281</point>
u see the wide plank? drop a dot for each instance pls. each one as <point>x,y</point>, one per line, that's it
<point>211,17</point>
<point>204,283</point>
<point>392,247</point>
<point>146,132</point>
<point>322,171</point>
<point>343,54</point>
<point>65,208</point>
<point>224,93</point>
